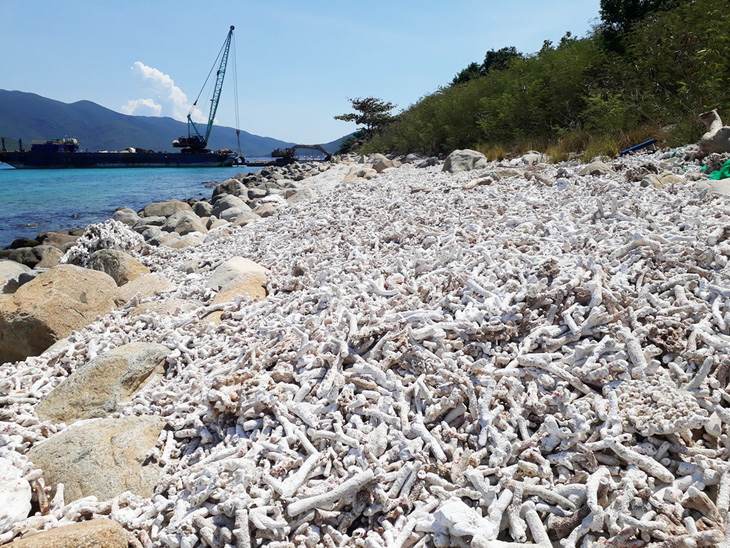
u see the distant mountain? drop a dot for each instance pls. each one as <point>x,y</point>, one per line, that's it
<point>29,116</point>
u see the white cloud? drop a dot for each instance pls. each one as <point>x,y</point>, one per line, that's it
<point>172,101</point>
<point>142,107</point>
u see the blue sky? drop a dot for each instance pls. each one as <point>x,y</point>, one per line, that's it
<point>297,62</point>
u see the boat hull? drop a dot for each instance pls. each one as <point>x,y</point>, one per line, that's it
<point>78,160</point>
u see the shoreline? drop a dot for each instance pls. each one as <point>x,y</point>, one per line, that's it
<point>428,345</point>
<point>62,239</point>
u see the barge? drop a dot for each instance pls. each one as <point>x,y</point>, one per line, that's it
<point>65,153</point>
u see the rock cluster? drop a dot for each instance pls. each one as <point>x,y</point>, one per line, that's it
<point>238,201</point>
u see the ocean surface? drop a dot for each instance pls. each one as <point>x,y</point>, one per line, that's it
<point>38,200</point>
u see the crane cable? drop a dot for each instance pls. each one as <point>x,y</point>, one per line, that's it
<point>210,91</point>
<point>235,95</point>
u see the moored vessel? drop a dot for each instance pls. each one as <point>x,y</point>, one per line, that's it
<point>64,153</point>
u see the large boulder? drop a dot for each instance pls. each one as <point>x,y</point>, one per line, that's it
<point>239,272</point>
<point>61,240</point>
<point>191,239</point>
<point>96,389</point>
<point>266,210</point>
<point>121,266</point>
<point>236,276</point>
<point>23,242</point>
<point>232,213</point>
<point>143,287</point>
<point>465,160</point>
<point>95,533</point>
<point>227,201</point>
<point>10,273</point>
<point>40,256</point>
<point>360,172</point>
<point>15,494</point>
<point>245,218</point>
<point>165,209</point>
<point>230,186</point>
<point>126,215</point>
<point>101,457</point>
<point>49,307</point>
<point>184,222</point>
<point>203,209</point>
<point>295,196</point>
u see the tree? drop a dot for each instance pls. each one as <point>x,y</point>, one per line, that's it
<point>372,113</point>
<point>499,59</point>
<point>495,59</point>
<point>474,70</point>
<point>620,15</point>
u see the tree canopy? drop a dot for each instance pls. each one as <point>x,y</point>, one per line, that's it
<point>494,60</point>
<point>621,15</point>
<point>370,112</point>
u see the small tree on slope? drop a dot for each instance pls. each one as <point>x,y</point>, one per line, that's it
<point>370,112</point>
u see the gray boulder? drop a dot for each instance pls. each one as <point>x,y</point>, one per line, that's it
<point>189,240</point>
<point>295,196</point>
<point>234,187</point>
<point>151,232</point>
<point>121,266</point>
<point>412,158</point>
<point>184,222</point>
<point>255,193</point>
<point>465,160</point>
<point>428,162</point>
<point>61,240</point>
<point>227,201</point>
<point>23,242</point>
<point>203,209</point>
<point>245,218</point>
<point>40,256</point>
<point>383,164</point>
<point>156,220</point>
<point>165,209</point>
<point>10,273</point>
<point>232,213</point>
<point>126,215</point>
<point>103,458</point>
<point>96,389</point>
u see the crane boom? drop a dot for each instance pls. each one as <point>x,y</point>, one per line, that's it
<point>196,141</point>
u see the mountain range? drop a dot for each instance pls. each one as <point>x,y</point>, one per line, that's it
<point>28,116</point>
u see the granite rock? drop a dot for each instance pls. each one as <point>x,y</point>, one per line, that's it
<point>101,457</point>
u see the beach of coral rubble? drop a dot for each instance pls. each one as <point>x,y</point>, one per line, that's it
<point>401,352</point>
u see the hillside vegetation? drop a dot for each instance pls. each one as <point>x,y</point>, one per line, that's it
<point>639,74</point>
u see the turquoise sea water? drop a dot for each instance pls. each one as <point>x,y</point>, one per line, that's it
<point>37,200</point>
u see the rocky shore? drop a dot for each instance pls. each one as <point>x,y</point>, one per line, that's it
<point>379,352</point>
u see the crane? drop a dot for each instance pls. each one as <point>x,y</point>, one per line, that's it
<point>196,142</point>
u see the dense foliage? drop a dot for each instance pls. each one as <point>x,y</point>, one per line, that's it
<point>370,112</point>
<point>494,60</point>
<point>583,93</point>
